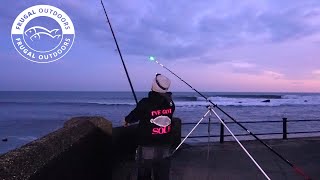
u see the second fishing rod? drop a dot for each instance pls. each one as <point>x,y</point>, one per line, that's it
<point>118,49</point>
<point>298,170</point>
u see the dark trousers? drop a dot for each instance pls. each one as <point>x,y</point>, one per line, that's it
<point>159,168</point>
<point>153,160</point>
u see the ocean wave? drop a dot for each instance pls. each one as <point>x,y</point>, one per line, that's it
<point>252,96</point>
<point>233,96</point>
<point>190,101</point>
<point>24,138</point>
<point>27,138</point>
<point>69,103</point>
<point>243,97</point>
<point>185,98</point>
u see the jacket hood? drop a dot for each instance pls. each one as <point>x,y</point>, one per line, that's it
<point>160,96</point>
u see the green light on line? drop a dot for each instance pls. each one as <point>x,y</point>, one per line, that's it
<point>151,58</point>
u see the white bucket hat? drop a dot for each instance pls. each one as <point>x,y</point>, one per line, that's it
<point>160,84</point>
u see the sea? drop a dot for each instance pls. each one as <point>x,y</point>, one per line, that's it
<point>26,116</point>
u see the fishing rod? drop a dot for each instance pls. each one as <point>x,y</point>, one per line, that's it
<point>298,170</point>
<point>115,40</point>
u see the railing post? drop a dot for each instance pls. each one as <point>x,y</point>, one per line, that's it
<point>284,126</point>
<point>221,132</point>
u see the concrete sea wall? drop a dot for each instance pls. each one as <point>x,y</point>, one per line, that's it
<point>85,148</point>
<point>79,150</point>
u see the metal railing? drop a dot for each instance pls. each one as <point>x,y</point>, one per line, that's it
<point>284,132</point>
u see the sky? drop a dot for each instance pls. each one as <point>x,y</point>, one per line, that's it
<point>229,45</point>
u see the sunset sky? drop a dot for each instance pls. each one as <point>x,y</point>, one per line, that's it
<point>229,45</point>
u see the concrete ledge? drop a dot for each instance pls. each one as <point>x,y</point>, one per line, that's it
<point>79,150</point>
<point>99,122</point>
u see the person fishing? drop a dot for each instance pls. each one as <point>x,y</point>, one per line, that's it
<point>154,114</point>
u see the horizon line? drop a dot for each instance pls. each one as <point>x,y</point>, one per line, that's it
<point>127,91</point>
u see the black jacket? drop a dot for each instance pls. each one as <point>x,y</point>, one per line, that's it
<point>154,114</point>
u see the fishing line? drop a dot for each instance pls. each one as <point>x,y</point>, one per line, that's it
<point>298,170</point>
<point>115,40</point>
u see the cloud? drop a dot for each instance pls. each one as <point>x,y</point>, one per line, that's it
<point>274,75</point>
<point>316,72</point>
<point>180,29</point>
<point>176,30</point>
<point>297,83</point>
<point>191,29</point>
<point>242,65</point>
<point>253,69</point>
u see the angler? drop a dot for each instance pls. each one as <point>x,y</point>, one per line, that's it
<point>154,130</point>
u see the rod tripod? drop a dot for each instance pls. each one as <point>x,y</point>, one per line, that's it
<point>212,111</point>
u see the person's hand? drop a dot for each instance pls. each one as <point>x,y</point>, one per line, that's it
<point>125,123</point>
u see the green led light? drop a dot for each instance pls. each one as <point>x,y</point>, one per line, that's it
<point>151,58</point>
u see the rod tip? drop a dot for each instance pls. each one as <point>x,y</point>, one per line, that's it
<point>152,58</point>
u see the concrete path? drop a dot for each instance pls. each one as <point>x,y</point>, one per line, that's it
<point>229,162</point>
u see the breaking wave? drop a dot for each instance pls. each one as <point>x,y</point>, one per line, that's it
<point>222,100</point>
